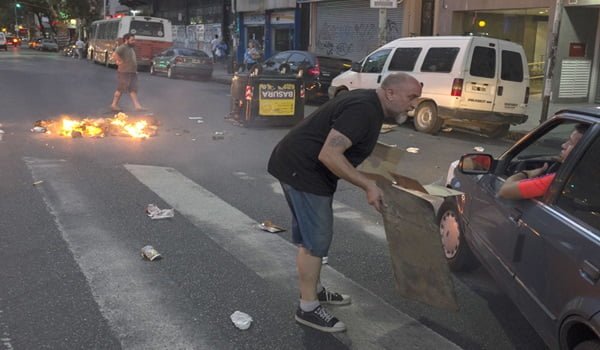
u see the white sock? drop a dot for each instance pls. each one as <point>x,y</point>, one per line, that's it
<point>308,306</point>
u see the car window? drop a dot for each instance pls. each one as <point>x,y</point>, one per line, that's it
<point>193,53</point>
<point>278,58</point>
<point>375,62</point>
<point>512,66</point>
<point>580,196</point>
<point>404,59</point>
<point>440,59</point>
<point>483,62</point>
<point>169,53</point>
<point>544,149</point>
<point>297,60</point>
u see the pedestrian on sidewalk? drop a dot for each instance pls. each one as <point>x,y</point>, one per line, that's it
<point>126,60</point>
<point>79,46</point>
<point>252,55</point>
<point>308,162</point>
<point>213,47</point>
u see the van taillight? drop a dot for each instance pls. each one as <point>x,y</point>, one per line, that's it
<point>457,86</point>
<point>526,95</point>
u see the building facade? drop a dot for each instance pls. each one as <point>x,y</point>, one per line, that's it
<point>529,23</point>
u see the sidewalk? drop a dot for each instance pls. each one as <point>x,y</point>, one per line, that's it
<point>534,108</point>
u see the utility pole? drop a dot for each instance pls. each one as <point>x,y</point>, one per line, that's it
<point>551,60</point>
<point>382,26</point>
<point>17,5</point>
<point>104,10</point>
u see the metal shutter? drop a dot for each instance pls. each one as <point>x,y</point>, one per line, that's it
<point>574,78</point>
<point>350,28</point>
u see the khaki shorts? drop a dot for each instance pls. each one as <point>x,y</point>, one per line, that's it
<point>127,82</point>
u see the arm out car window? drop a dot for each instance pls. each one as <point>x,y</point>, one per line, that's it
<point>580,197</point>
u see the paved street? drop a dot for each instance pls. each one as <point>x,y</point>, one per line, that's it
<point>71,274</point>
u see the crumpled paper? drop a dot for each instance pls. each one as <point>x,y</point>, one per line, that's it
<point>155,213</point>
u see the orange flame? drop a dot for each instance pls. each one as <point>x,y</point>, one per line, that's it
<point>119,125</point>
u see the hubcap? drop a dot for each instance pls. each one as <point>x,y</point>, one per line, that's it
<point>425,117</point>
<point>450,233</point>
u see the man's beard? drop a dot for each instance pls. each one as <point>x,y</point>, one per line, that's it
<point>130,44</point>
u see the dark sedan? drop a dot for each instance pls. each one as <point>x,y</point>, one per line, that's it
<point>318,71</point>
<point>543,251</point>
<point>181,62</point>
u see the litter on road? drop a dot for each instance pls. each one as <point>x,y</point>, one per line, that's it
<point>150,253</point>
<point>1,134</point>
<point>412,150</point>
<point>38,183</point>
<point>478,149</point>
<point>39,129</point>
<point>155,213</point>
<point>268,226</point>
<point>241,320</point>
<point>218,135</point>
<point>195,118</point>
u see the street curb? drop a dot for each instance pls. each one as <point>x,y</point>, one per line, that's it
<point>222,80</point>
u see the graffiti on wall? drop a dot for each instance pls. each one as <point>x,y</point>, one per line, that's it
<point>352,40</point>
<point>196,36</point>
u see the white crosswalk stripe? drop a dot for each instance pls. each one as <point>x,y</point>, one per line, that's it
<point>372,322</point>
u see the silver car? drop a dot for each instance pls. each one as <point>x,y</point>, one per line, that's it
<point>48,45</point>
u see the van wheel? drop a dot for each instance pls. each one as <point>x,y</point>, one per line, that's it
<point>456,250</point>
<point>426,118</point>
<point>497,131</point>
<point>588,345</point>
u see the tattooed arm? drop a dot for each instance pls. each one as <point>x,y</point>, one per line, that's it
<point>332,156</point>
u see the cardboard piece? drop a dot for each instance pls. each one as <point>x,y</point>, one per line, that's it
<point>420,269</point>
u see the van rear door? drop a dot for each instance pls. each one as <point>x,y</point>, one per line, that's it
<point>480,76</point>
<point>513,80</point>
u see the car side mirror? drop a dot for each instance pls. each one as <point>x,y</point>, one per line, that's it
<point>476,163</point>
<point>356,67</point>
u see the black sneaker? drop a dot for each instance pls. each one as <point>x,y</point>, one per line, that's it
<point>331,298</point>
<point>320,319</point>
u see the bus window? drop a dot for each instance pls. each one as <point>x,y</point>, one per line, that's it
<point>145,28</point>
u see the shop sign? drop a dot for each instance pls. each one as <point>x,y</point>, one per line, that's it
<point>384,4</point>
<point>258,18</point>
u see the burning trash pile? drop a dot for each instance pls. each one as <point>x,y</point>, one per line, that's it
<point>119,125</point>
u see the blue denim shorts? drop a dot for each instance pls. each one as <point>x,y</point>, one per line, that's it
<point>312,220</point>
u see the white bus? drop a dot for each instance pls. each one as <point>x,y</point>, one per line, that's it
<point>152,35</point>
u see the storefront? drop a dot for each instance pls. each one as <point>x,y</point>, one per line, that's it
<point>350,28</point>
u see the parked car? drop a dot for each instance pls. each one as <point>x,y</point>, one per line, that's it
<point>543,252</point>
<point>318,70</point>
<point>3,42</point>
<point>48,45</point>
<point>478,82</point>
<point>181,62</point>
<point>34,43</point>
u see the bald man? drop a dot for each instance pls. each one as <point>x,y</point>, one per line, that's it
<point>309,161</point>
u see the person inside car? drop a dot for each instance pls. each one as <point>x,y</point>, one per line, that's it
<point>534,183</point>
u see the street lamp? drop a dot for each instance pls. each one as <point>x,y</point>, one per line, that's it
<point>17,5</point>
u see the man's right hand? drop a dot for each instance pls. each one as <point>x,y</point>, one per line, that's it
<point>375,196</point>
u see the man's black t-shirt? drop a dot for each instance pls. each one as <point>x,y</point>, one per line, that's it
<point>357,114</point>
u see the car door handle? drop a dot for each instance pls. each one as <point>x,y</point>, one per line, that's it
<point>515,217</point>
<point>589,272</point>
<point>379,79</point>
<point>500,90</point>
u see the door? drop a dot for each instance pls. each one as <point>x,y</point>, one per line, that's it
<point>513,81</point>
<point>373,69</point>
<point>479,87</point>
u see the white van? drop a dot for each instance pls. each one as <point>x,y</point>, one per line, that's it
<point>469,80</point>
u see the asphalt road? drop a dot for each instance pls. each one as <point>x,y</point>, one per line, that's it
<point>71,274</point>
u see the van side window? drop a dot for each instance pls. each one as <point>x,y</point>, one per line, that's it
<point>483,63</point>
<point>580,196</point>
<point>404,59</point>
<point>512,66</point>
<point>440,59</point>
<point>375,62</point>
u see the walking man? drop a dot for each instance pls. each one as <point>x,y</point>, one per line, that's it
<point>79,46</point>
<point>213,47</point>
<point>308,162</point>
<point>126,60</point>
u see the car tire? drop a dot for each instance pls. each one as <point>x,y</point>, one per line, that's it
<point>170,73</point>
<point>456,249</point>
<point>340,91</point>
<point>497,131</point>
<point>152,71</point>
<point>426,118</point>
<point>588,345</point>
